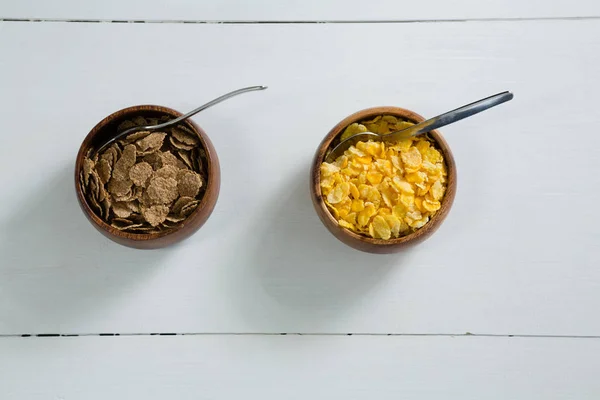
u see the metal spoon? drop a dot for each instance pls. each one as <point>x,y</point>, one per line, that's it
<point>182,118</point>
<point>422,127</point>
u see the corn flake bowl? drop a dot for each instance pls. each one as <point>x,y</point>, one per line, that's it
<point>362,242</point>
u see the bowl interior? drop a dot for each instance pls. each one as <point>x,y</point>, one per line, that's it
<point>106,130</point>
<point>333,138</point>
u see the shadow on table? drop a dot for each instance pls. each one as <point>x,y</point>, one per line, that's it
<point>55,267</point>
<point>298,274</point>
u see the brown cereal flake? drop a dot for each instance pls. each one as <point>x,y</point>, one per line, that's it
<point>150,143</point>
<point>141,228</point>
<point>121,209</point>
<point>94,185</point>
<point>140,173</point>
<point>175,218</point>
<point>123,126</point>
<point>105,205</point>
<point>180,203</point>
<point>124,224</point>
<point>185,157</point>
<point>134,206</point>
<point>155,215</point>
<point>88,166</point>
<point>136,136</point>
<point>119,188</point>
<point>104,170</point>
<point>125,162</point>
<point>169,159</point>
<point>188,183</point>
<point>111,155</point>
<point>188,208</point>
<point>155,160</point>
<point>162,190</point>
<point>184,136</point>
<point>180,145</point>
<point>140,121</point>
<point>168,171</point>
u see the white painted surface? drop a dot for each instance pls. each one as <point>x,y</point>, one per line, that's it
<point>295,10</point>
<point>517,255</point>
<point>243,367</point>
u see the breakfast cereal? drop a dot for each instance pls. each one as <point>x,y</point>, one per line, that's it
<point>147,181</point>
<point>384,190</point>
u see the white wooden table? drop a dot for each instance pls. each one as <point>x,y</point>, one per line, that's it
<point>502,303</point>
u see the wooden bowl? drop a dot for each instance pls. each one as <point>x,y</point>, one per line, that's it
<point>365,243</point>
<point>105,130</point>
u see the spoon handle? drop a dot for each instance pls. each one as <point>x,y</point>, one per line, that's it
<point>451,116</point>
<point>179,119</point>
<point>203,107</point>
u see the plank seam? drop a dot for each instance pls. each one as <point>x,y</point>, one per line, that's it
<point>467,334</point>
<point>281,22</point>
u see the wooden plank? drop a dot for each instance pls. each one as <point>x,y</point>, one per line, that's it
<point>298,10</point>
<point>209,367</point>
<point>517,255</point>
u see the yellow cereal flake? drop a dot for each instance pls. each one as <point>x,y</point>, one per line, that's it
<point>423,147</point>
<point>434,156</point>
<point>358,205</point>
<point>351,218</point>
<point>396,161</point>
<point>345,224</point>
<point>389,197</point>
<point>407,200</point>
<point>338,193</point>
<point>384,190</point>
<point>403,186</point>
<point>431,206</point>
<point>404,145</point>
<point>381,228</point>
<point>437,190</point>
<point>411,158</point>
<point>344,207</point>
<point>419,223</point>
<point>352,130</point>
<point>374,177</point>
<point>365,215</point>
<point>328,170</point>
<point>419,203</point>
<point>385,167</point>
<point>354,190</point>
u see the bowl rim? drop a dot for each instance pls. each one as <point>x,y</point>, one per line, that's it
<point>211,183</point>
<point>420,234</point>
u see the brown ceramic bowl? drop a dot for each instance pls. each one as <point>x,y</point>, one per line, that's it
<point>365,243</point>
<point>102,132</point>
